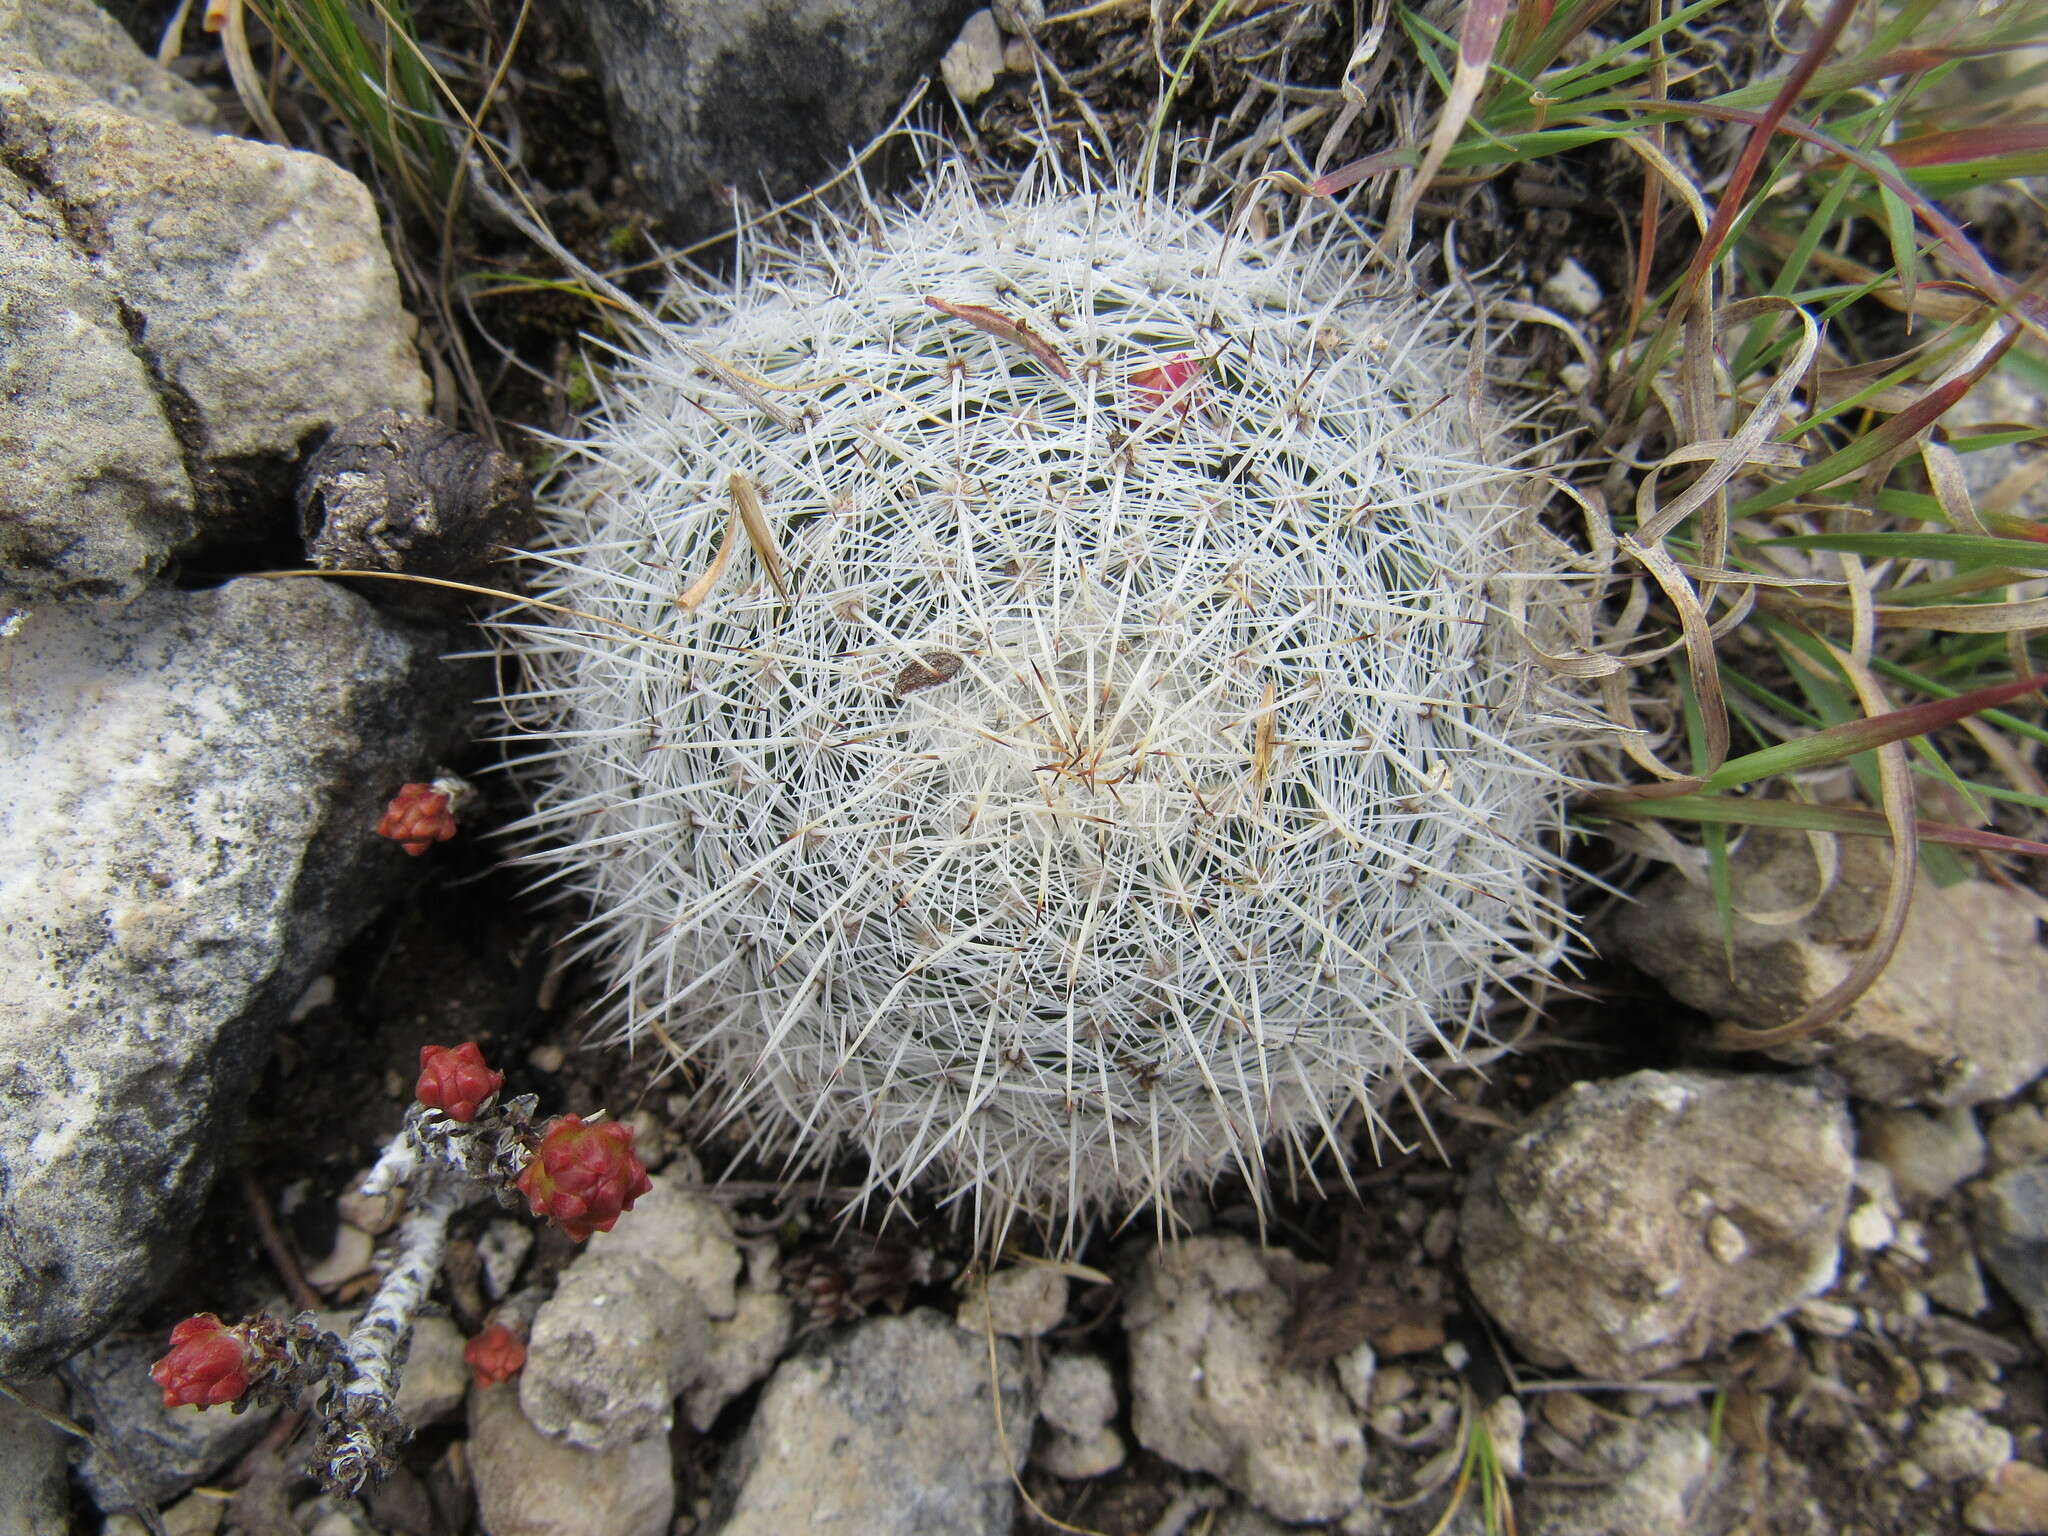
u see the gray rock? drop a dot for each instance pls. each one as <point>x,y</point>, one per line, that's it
<point>436,1377</point>
<point>1651,1473</point>
<point>610,1352</point>
<point>1208,1392</point>
<point>77,38</point>
<point>1928,1153</point>
<point>688,1237</point>
<point>35,1497</point>
<point>744,1348</point>
<point>144,1453</point>
<point>886,1426</point>
<point>1643,1222</point>
<point>766,96</point>
<point>530,1485</point>
<point>1956,1017</point>
<point>1077,1402</point>
<point>248,285</point>
<point>187,788</point>
<point>1020,1302</point>
<point>93,490</point>
<point>1955,1443</point>
<point>2011,1221</point>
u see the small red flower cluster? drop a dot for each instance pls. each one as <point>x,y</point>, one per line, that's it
<point>583,1176</point>
<point>494,1356</point>
<point>208,1364</point>
<point>419,816</point>
<point>455,1080</point>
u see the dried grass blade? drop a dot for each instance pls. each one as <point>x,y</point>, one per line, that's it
<point>1699,645</point>
<point>1801,816</point>
<point>747,502</point>
<point>1478,36</point>
<point>1003,328</point>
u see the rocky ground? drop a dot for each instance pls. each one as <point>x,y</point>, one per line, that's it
<point>1629,1279</point>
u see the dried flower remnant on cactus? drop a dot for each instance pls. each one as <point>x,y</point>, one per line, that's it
<point>1244,795</point>
<point>419,816</point>
<point>495,1356</point>
<point>583,1176</point>
<point>1155,386</point>
<point>456,1080</point>
<point>208,1364</point>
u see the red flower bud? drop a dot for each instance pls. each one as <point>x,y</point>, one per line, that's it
<point>583,1176</point>
<point>456,1081</point>
<point>1154,386</point>
<point>495,1355</point>
<point>208,1364</point>
<point>419,816</point>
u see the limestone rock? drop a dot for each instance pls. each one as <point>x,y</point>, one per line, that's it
<point>1020,1302</point>
<point>530,1485</point>
<point>1642,1222</point>
<point>686,1236</point>
<point>2010,1215</point>
<point>611,1351</point>
<point>1928,1152</point>
<point>186,791</point>
<point>1956,1018</point>
<point>886,1426</point>
<point>1077,1402</point>
<point>743,1349</point>
<point>229,300</point>
<point>77,38</point>
<point>1208,1391</point>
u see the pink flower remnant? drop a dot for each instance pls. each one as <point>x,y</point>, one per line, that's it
<point>1155,386</point>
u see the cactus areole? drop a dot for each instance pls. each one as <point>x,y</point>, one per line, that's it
<point>1040,700</point>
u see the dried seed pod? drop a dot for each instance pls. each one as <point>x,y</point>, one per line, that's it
<point>390,491</point>
<point>928,671</point>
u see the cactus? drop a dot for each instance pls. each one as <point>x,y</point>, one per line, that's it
<point>1034,695</point>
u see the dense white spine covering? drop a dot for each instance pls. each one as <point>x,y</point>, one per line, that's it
<point>1123,786</point>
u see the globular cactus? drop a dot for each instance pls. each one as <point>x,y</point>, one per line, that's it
<point>1035,695</point>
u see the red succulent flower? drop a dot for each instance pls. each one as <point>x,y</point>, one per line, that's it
<point>583,1176</point>
<point>455,1080</point>
<point>208,1363</point>
<point>495,1355</point>
<point>419,816</point>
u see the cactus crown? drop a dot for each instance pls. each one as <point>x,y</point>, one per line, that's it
<point>1118,759</point>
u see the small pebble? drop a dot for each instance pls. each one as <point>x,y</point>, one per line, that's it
<point>1828,1318</point>
<point>1725,1241</point>
<point>1571,1414</point>
<point>546,1058</point>
<point>2012,1502</point>
<point>1572,289</point>
<point>971,65</point>
<point>1955,1443</point>
<point>1869,1228</point>
<point>1505,1423</point>
<point>1391,1384</point>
